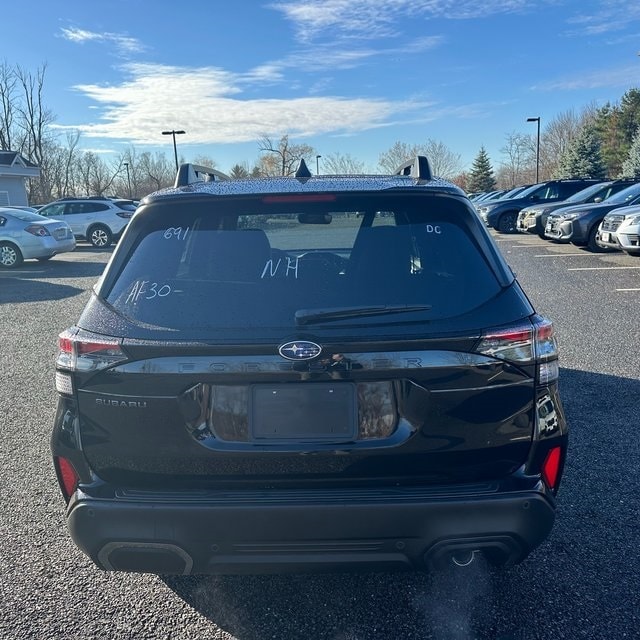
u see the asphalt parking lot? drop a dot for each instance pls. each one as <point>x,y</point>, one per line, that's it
<point>582,583</point>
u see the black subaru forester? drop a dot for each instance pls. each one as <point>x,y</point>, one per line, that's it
<point>307,373</point>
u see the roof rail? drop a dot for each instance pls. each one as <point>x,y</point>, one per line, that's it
<point>189,173</point>
<point>417,168</point>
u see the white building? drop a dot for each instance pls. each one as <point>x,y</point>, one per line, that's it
<point>14,170</point>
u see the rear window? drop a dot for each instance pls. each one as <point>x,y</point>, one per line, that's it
<point>239,264</point>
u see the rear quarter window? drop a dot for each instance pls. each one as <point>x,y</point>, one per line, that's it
<point>238,264</point>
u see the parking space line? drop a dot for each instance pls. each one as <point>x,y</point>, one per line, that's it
<point>601,268</point>
<point>627,289</point>
<point>527,246</point>
<point>559,255</point>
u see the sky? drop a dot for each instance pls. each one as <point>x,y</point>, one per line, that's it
<point>349,77</point>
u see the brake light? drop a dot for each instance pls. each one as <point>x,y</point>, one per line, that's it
<point>314,197</point>
<point>525,344</point>
<point>78,353</point>
<point>67,476</point>
<point>514,344</point>
<point>551,468</point>
<point>37,230</point>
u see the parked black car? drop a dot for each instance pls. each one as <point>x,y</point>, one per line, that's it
<point>579,224</point>
<point>304,373</point>
<point>533,219</point>
<point>502,214</point>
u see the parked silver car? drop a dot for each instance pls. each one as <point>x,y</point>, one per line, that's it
<point>25,235</point>
<point>628,233</point>
<point>607,235</point>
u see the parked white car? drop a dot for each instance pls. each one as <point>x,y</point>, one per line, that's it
<point>629,232</point>
<point>97,220</point>
<point>25,235</point>
<point>607,234</point>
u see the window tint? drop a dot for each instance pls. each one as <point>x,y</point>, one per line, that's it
<point>27,216</point>
<point>52,210</point>
<point>247,265</point>
<point>71,208</point>
<point>587,195</point>
<point>626,195</point>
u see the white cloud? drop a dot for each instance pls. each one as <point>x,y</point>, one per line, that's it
<point>206,103</point>
<point>614,15</point>
<point>124,44</point>
<point>375,19</point>
<point>620,77</point>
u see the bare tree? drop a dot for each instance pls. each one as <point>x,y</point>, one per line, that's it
<point>59,166</point>
<point>7,106</point>
<point>444,162</point>
<point>96,176</point>
<point>285,156</point>
<point>35,118</point>
<point>342,164</point>
<point>399,153</point>
<point>155,172</point>
<point>205,161</point>
<point>518,164</point>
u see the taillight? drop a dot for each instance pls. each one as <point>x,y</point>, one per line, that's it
<point>533,342</point>
<point>67,476</point>
<point>124,214</point>
<point>551,468</point>
<point>37,230</point>
<point>78,352</point>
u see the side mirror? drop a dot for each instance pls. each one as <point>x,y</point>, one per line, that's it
<point>597,200</point>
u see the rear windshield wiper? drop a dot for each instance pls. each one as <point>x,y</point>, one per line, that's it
<point>314,316</point>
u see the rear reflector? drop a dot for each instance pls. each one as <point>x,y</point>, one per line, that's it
<point>551,468</point>
<point>67,476</point>
<point>64,383</point>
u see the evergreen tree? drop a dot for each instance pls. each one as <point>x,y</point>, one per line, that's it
<point>616,126</point>
<point>583,157</point>
<point>238,171</point>
<point>481,177</point>
<point>631,166</point>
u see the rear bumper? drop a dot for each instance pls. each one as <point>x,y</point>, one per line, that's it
<point>267,532</point>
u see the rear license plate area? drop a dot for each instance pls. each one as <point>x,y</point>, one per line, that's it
<point>307,412</point>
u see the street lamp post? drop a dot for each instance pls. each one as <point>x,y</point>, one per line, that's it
<point>174,133</point>
<point>538,148</point>
<point>126,164</point>
<point>318,165</point>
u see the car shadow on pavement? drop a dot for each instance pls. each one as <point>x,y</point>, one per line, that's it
<point>26,290</point>
<point>542,597</point>
<point>53,269</point>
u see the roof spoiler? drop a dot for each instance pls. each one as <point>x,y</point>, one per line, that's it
<point>190,173</point>
<point>417,168</point>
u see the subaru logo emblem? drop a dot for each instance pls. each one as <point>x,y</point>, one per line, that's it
<point>300,350</point>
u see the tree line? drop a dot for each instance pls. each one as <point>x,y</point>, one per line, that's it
<point>596,142</point>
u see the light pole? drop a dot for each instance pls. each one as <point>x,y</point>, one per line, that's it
<point>174,133</point>
<point>538,148</point>
<point>318,165</point>
<point>126,164</point>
